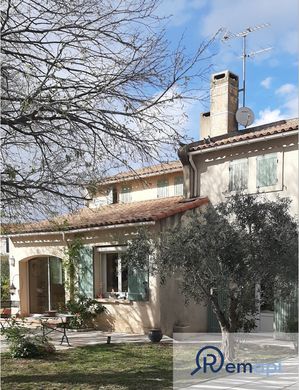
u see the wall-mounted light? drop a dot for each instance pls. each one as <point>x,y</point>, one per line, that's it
<point>12,261</point>
<point>12,289</point>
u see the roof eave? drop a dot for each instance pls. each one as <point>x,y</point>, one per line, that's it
<point>244,142</point>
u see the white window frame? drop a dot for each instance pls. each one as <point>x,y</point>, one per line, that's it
<point>103,251</point>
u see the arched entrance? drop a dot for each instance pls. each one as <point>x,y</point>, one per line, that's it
<point>46,284</point>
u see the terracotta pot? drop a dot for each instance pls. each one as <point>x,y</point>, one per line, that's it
<point>155,335</point>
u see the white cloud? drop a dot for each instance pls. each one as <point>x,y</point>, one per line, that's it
<point>236,16</point>
<point>287,109</point>
<point>268,116</point>
<point>180,10</point>
<point>266,83</point>
<point>291,107</point>
<point>286,89</point>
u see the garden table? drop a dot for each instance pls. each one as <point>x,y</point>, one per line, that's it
<point>56,324</point>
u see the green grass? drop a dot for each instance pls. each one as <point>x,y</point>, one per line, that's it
<point>108,367</point>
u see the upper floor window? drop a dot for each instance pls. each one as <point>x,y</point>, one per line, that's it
<point>266,170</point>
<point>238,175</point>
<point>125,195</point>
<point>162,188</point>
<point>178,185</point>
<point>105,197</point>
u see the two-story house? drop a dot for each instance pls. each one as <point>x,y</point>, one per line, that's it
<point>261,159</point>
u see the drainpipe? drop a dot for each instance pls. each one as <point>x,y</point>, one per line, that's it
<point>194,191</point>
<point>188,165</point>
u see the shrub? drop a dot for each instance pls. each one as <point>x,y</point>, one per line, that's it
<point>85,311</point>
<point>25,344</point>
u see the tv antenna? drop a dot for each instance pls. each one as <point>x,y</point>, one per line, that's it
<point>243,34</point>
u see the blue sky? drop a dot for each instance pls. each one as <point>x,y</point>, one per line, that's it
<point>272,77</point>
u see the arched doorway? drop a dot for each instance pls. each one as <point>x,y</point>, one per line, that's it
<point>46,284</point>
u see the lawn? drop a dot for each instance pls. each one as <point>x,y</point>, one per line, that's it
<point>108,367</point>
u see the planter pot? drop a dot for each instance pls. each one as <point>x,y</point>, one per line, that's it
<point>155,335</point>
<point>181,328</point>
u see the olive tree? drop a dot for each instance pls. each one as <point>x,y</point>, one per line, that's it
<point>228,250</point>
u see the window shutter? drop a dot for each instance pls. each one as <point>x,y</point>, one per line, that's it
<point>126,194</point>
<point>238,175</point>
<point>266,170</point>
<point>137,285</point>
<point>85,277</point>
<point>162,188</point>
<point>178,186</point>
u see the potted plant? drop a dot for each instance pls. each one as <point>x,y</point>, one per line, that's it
<point>155,335</point>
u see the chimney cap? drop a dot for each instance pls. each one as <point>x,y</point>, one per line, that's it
<point>225,74</point>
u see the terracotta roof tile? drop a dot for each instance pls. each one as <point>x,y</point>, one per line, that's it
<point>114,214</point>
<point>173,166</point>
<point>244,135</point>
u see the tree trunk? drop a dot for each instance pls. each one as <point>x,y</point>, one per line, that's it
<point>228,344</point>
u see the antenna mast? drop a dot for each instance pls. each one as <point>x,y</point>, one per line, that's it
<point>243,34</point>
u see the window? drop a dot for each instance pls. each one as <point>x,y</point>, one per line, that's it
<point>106,197</point>
<point>178,186</point>
<point>113,279</point>
<point>266,170</point>
<point>125,195</point>
<point>117,274</point>
<point>238,175</point>
<point>111,275</point>
<point>114,195</point>
<point>162,188</point>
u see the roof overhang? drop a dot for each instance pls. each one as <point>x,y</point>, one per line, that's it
<point>245,142</point>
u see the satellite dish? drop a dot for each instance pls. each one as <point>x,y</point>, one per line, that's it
<point>245,116</point>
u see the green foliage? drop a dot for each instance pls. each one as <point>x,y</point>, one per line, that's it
<point>5,295</point>
<point>85,310</point>
<point>227,250</point>
<point>72,261</point>
<point>139,251</point>
<point>24,344</point>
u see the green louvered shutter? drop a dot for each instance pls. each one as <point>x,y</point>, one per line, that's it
<point>285,312</point>
<point>138,285</point>
<point>85,276</point>
<point>179,186</point>
<point>238,175</point>
<point>266,170</point>
<point>162,188</point>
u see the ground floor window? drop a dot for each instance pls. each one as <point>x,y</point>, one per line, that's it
<point>113,279</point>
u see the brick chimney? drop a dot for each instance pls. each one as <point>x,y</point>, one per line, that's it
<point>224,103</point>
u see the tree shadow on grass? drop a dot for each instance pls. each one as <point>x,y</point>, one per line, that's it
<point>129,379</point>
